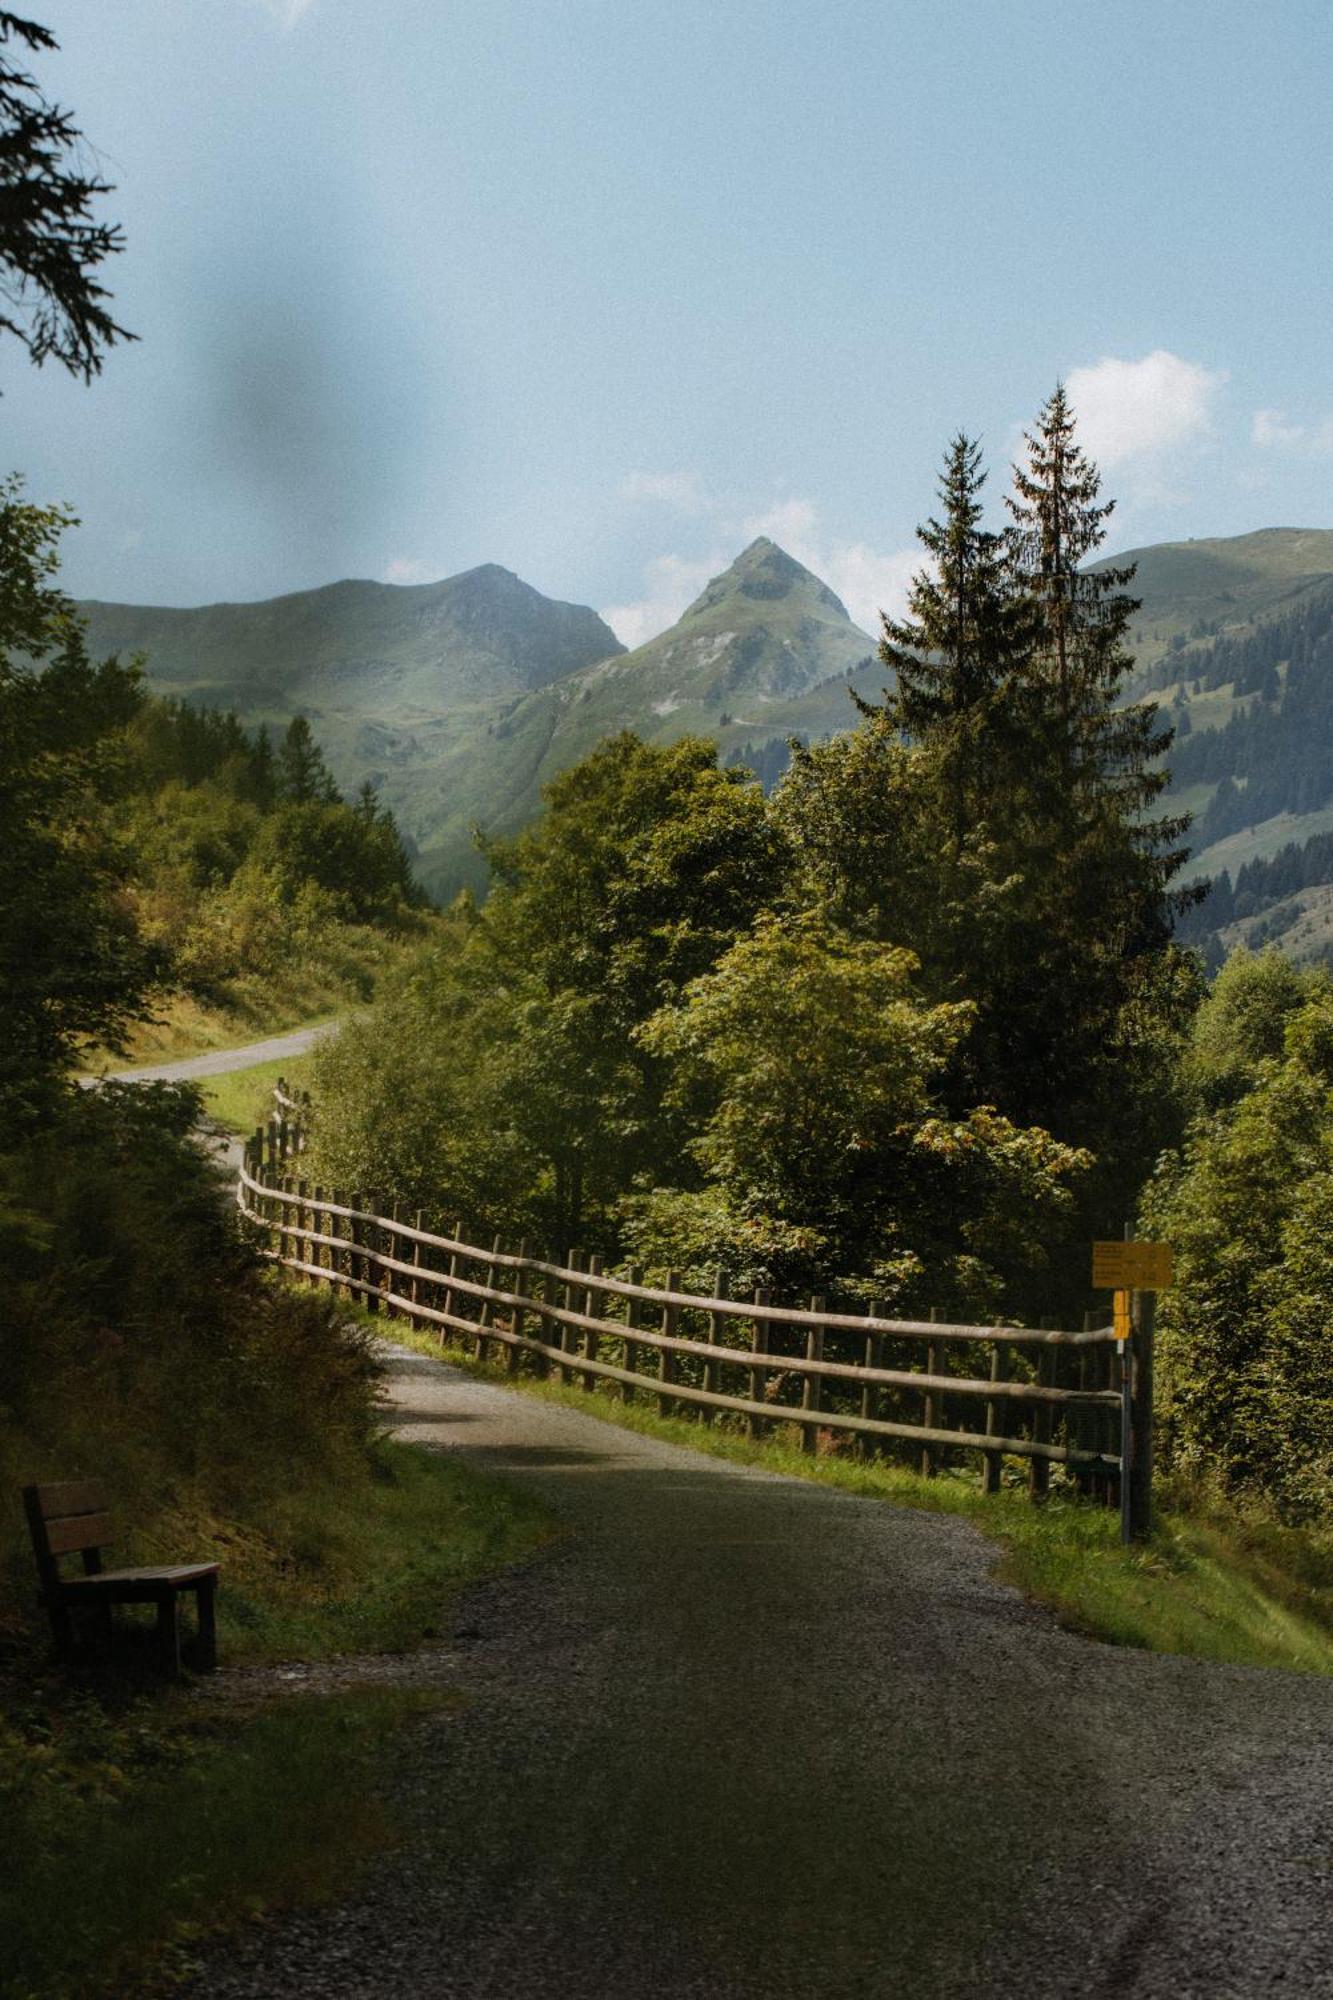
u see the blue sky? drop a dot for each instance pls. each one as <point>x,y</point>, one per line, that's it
<point>598,289</point>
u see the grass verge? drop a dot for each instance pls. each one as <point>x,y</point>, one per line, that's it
<point>243,1098</point>
<point>370,1568</point>
<point>134,1825</point>
<point>185,1028</point>
<point>135,1838</point>
<point>1212,1582</point>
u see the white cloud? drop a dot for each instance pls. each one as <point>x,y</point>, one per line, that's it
<point>409,569</point>
<point>671,583</point>
<point>287,12</point>
<point>1270,427</point>
<point>680,490</point>
<point>1271,431</point>
<point>1137,411</point>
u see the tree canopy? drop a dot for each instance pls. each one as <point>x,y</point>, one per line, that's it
<point>51,244</point>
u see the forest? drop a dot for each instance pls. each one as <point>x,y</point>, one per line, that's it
<point>916,1025</point>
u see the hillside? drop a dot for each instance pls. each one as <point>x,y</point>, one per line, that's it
<point>461,699</point>
<point>1193,591</point>
<point>1236,642</point>
<point>766,649</point>
<point>381,670</point>
<point>392,650</point>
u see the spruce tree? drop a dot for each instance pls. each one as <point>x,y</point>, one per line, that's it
<point>1098,758</point>
<point>303,776</point>
<point>960,656</point>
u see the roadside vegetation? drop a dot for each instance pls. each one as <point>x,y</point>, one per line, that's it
<point>241,1099</point>
<point>231,1417</point>
<point>151,861</point>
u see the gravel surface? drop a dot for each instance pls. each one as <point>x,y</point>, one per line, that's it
<point>221,1062</point>
<point>738,1735</point>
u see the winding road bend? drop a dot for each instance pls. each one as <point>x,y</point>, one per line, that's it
<point>222,1062</point>
<point>739,1735</point>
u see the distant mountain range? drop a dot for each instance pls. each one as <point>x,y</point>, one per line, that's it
<point>461,699</point>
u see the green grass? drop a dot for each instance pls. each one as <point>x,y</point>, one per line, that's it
<point>135,1822</point>
<point>134,1838</point>
<point>1261,842</point>
<point>243,1098</point>
<point>184,1028</point>
<point>1212,1582</point>
<point>369,1568</point>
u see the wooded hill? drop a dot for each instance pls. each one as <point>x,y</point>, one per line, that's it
<point>459,700</point>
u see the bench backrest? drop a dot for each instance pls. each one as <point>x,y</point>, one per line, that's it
<point>66,1518</point>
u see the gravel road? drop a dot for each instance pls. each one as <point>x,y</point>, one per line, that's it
<point>738,1736</point>
<point>221,1062</point>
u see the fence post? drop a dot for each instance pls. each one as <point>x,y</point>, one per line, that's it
<point>991,1465</point>
<point>716,1328</point>
<point>326,1256</point>
<point>303,1230</point>
<point>812,1388</point>
<point>566,1337</point>
<point>631,1345</point>
<point>550,1291</point>
<point>449,1332</point>
<point>393,1250</point>
<point>1039,1469</point>
<point>592,1306</point>
<point>370,1297</point>
<point>670,1320</point>
<point>1142,1320</point>
<point>869,1447</point>
<point>1125,1352</point>
<point>487,1306</point>
<point>758,1376</point>
<point>930,1413</point>
<point>414,1281</point>
<point>518,1318</point>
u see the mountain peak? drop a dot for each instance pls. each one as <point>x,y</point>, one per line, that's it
<point>762,572</point>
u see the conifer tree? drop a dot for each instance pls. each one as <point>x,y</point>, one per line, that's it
<point>961,655</point>
<point>303,776</point>
<point>1099,758</point>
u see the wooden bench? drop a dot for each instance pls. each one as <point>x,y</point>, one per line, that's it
<point>72,1518</point>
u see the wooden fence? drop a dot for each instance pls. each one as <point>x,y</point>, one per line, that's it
<point>931,1392</point>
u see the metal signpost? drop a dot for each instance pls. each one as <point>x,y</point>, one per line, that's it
<point>1135,1273</point>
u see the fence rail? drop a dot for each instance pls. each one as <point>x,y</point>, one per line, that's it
<point>1046,1395</point>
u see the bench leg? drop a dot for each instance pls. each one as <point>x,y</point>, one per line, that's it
<point>62,1627</point>
<point>208,1631</point>
<point>168,1635</point>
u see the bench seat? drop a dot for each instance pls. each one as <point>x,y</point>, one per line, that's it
<point>150,1582</point>
<point>70,1517</point>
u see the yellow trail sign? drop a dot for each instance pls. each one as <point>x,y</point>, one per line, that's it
<point>1134,1267</point>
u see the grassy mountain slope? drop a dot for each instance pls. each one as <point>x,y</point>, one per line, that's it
<point>1192,591</point>
<point>765,650</point>
<point>390,675</point>
<point>395,651</point>
<point>461,699</point>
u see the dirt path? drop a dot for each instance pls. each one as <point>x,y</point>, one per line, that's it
<point>738,1735</point>
<point>221,1062</point>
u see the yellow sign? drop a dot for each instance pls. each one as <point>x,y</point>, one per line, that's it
<point>1135,1267</point>
<point>1123,1325</point>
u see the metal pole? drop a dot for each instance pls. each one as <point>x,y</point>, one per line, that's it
<point>1141,1475</point>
